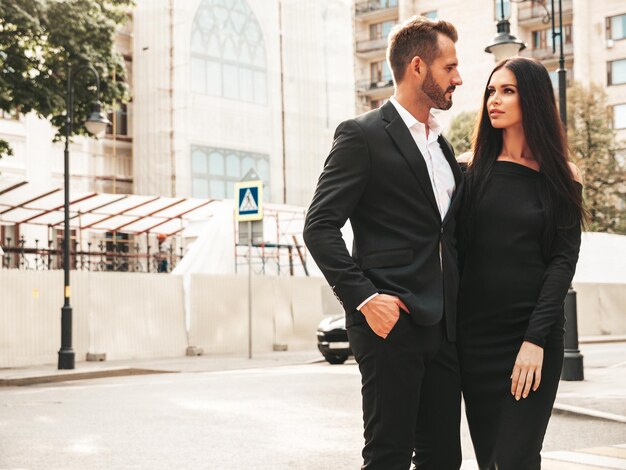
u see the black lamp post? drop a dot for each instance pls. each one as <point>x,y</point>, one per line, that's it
<point>505,45</point>
<point>96,124</point>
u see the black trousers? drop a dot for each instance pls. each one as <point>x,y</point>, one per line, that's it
<point>411,396</point>
<point>507,434</point>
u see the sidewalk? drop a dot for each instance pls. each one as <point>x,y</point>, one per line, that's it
<point>207,363</point>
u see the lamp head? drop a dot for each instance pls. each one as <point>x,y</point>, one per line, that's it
<point>97,122</point>
<point>504,45</point>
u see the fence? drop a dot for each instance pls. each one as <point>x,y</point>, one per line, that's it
<point>106,255</point>
<point>135,315</point>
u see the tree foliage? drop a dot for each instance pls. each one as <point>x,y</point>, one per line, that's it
<point>593,146</point>
<point>40,38</point>
<point>460,131</point>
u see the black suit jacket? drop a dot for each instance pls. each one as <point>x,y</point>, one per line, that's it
<point>376,177</point>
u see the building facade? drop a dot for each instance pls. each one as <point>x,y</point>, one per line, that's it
<point>218,88</point>
<point>224,87</point>
<point>594,36</point>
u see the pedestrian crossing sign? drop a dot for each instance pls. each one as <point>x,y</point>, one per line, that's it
<point>249,200</point>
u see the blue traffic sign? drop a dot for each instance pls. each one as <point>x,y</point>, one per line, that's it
<point>248,199</point>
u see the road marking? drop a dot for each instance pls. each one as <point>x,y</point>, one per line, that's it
<point>609,457</point>
<point>601,351</point>
<point>613,451</point>
<point>589,412</point>
<point>588,459</point>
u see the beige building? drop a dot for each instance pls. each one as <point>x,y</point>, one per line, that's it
<point>594,45</point>
<point>225,87</point>
<point>217,88</point>
<point>222,87</point>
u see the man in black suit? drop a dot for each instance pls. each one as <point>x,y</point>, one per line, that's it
<point>394,176</point>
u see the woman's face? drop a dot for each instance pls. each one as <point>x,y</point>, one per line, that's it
<point>503,103</point>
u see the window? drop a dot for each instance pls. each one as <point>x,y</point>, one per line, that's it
<point>228,52</point>
<point>616,72</point>
<point>375,104</point>
<point>120,119</point>
<point>567,34</point>
<point>380,30</point>
<point>619,116</point>
<point>214,171</point>
<point>430,14</point>
<point>540,39</point>
<point>616,27</point>
<point>543,38</point>
<point>498,9</point>
<point>379,72</point>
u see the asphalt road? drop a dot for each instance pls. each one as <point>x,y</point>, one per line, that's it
<point>288,417</point>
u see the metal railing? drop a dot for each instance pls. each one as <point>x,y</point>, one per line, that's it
<point>368,85</point>
<point>105,256</point>
<point>373,5</point>
<point>371,45</point>
<point>545,53</point>
<point>535,11</point>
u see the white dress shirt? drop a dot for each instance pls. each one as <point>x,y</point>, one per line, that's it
<point>439,171</point>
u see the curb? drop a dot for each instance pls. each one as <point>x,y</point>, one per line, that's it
<point>96,374</point>
<point>580,411</point>
<point>602,339</point>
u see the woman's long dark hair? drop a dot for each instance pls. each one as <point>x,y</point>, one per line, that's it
<point>546,140</point>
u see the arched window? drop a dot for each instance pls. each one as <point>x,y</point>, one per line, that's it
<point>214,171</point>
<point>228,52</point>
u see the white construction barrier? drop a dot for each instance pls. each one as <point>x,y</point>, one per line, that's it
<point>285,311</point>
<point>125,315</point>
<point>601,308</point>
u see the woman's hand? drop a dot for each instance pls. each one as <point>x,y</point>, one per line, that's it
<point>526,370</point>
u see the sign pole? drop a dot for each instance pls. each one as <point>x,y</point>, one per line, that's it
<point>249,208</point>
<point>249,289</point>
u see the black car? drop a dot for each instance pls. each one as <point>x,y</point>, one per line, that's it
<point>332,339</point>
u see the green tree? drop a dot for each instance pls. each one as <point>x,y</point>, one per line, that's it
<point>39,38</point>
<point>593,146</point>
<point>460,131</point>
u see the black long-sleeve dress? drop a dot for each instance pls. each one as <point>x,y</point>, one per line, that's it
<point>512,290</point>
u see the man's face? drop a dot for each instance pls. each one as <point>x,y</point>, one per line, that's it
<point>442,76</point>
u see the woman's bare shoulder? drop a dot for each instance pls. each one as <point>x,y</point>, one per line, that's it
<point>576,174</point>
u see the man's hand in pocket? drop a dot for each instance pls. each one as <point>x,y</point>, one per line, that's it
<point>382,313</point>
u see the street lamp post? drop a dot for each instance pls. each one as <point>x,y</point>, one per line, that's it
<point>96,124</point>
<point>505,45</point>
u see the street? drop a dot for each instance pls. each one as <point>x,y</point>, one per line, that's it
<point>283,417</point>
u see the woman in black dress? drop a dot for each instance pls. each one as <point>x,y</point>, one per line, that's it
<point>519,237</point>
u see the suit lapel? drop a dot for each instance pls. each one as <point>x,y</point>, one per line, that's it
<point>456,171</point>
<point>401,136</point>
<point>448,153</point>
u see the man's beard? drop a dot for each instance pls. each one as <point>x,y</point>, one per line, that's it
<point>436,94</point>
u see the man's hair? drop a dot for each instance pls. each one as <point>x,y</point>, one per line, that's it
<point>417,36</point>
